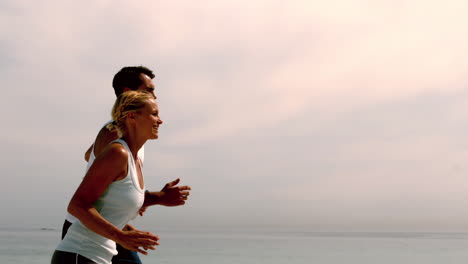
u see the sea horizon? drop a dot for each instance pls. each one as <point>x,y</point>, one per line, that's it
<point>249,246</point>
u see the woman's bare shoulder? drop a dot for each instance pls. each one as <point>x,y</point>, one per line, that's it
<point>114,151</point>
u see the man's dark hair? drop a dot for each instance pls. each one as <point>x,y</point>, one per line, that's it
<point>129,77</point>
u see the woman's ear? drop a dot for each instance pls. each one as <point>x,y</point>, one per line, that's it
<point>131,115</point>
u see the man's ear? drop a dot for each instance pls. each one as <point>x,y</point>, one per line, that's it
<point>126,89</point>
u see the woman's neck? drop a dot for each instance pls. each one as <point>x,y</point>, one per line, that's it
<point>134,144</point>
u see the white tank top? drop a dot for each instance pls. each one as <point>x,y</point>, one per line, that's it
<point>141,155</point>
<point>119,203</point>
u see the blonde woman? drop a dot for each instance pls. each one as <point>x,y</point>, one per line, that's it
<point>136,78</point>
<point>112,191</point>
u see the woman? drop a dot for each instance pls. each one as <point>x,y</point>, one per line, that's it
<point>111,193</point>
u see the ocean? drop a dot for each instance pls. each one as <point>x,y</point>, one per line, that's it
<point>269,247</point>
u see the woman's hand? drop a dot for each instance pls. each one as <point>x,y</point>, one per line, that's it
<point>170,195</point>
<point>142,210</point>
<point>136,239</point>
<point>174,195</point>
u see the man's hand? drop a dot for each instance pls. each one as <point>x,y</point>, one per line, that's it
<point>170,195</point>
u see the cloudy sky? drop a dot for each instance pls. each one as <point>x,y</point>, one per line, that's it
<point>317,115</point>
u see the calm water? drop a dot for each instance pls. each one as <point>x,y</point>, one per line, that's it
<point>253,247</point>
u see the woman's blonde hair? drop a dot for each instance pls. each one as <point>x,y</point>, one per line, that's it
<point>127,102</point>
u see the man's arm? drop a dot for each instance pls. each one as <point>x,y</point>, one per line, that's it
<point>104,137</point>
<point>88,153</point>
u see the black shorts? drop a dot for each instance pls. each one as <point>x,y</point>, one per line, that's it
<point>62,257</point>
<point>124,256</point>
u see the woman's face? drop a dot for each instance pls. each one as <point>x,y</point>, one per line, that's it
<point>148,119</point>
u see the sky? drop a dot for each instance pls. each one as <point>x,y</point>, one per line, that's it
<point>301,114</point>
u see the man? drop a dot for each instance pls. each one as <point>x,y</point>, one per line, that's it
<point>133,78</point>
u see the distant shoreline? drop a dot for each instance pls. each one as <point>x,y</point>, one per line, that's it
<point>290,232</point>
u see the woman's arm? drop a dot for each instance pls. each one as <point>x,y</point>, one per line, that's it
<point>109,166</point>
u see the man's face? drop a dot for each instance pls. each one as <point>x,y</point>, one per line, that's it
<point>147,85</point>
